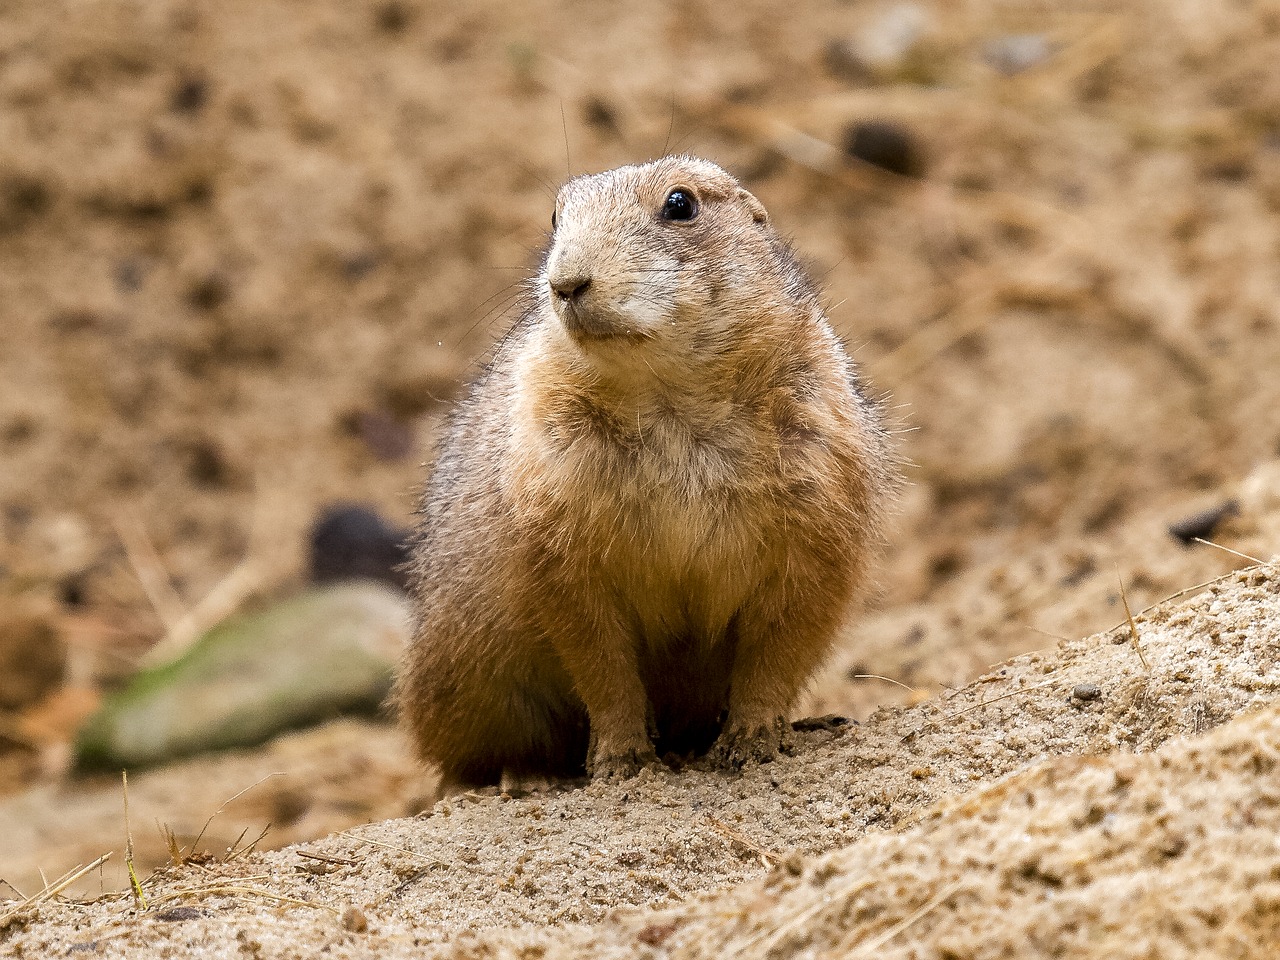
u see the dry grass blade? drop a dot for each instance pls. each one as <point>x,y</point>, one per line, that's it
<point>1046,633</point>
<point>978,706</point>
<point>51,891</point>
<point>139,898</point>
<point>1178,596</point>
<point>223,600</point>
<point>236,851</point>
<point>218,604</point>
<point>769,858</point>
<point>325,858</point>
<point>869,947</point>
<point>386,846</point>
<point>225,804</point>
<point>1237,553</point>
<point>1133,626</point>
<point>232,889</point>
<point>1003,696</point>
<point>898,683</point>
<point>176,856</point>
<point>151,573</point>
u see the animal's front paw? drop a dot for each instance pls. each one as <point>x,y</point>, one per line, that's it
<point>745,743</point>
<point>620,765</point>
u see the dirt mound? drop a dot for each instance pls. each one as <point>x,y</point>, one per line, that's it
<point>1013,812</point>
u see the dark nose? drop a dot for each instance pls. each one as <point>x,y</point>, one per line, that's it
<point>569,287</point>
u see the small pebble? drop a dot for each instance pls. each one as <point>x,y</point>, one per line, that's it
<point>1086,691</point>
<point>354,919</point>
<point>1017,52</point>
<point>883,46</point>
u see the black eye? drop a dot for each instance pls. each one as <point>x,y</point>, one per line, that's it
<point>679,205</point>
<point>553,219</point>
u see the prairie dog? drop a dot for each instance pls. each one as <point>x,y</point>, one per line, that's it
<point>654,509</point>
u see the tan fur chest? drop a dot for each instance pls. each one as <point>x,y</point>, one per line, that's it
<point>671,511</point>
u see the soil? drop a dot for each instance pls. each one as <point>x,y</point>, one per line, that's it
<point>1107,799</point>
<point>247,257</point>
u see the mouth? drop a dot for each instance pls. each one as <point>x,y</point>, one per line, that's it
<point>586,325</point>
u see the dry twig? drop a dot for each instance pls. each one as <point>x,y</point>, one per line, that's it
<point>49,892</point>
<point>223,600</point>
<point>218,604</point>
<point>767,857</point>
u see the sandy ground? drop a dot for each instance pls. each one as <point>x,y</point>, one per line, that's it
<point>1102,800</point>
<point>249,251</point>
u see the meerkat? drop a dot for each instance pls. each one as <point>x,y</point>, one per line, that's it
<point>651,515</point>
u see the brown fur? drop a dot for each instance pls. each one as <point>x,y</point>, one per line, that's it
<point>652,513</point>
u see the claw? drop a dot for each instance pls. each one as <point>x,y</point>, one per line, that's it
<point>621,766</point>
<point>743,744</point>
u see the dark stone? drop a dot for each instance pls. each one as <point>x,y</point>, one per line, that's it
<point>350,541</point>
<point>1204,523</point>
<point>1086,691</point>
<point>190,95</point>
<point>180,913</point>
<point>887,145</point>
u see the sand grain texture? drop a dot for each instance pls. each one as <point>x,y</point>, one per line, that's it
<point>1070,804</point>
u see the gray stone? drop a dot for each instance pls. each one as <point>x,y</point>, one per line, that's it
<point>1017,52</point>
<point>329,651</point>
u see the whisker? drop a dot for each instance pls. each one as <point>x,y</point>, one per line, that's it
<point>505,291</point>
<point>493,313</point>
<point>671,125</point>
<point>547,186</point>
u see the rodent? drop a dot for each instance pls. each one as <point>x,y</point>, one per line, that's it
<point>651,514</point>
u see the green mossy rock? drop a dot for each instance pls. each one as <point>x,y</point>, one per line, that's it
<point>329,651</point>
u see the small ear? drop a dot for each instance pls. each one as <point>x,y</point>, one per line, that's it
<point>758,213</point>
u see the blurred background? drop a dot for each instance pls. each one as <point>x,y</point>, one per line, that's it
<point>250,251</point>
